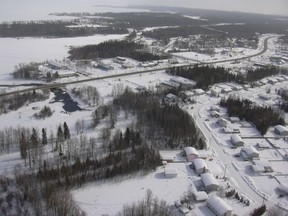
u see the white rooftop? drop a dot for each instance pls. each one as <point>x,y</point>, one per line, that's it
<point>219,205</point>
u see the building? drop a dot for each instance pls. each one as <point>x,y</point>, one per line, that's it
<point>222,122</point>
<point>54,65</point>
<point>170,172</point>
<point>199,92</point>
<point>200,196</point>
<point>249,153</point>
<point>209,182</point>
<point>171,99</point>
<point>191,153</point>
<point>185,83</point>
<point>215,108</point>
<point>281,130</point>
<point>262,145</point>
<point>215,114</point>
<point>236,140</point>
<point>264,96</point>
<point>234,119</point>
<point>200,166</point>
<point>105,66</point>
<point>283,188</point>
<point>218,206</point>
<point>260,166</point>
<point>230,130</point>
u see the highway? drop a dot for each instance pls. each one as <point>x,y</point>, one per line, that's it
<point>55,85</point>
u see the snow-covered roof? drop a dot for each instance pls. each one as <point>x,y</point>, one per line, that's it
<point>236,139</point>
<point>214,113</point>
<point>200,196</point>
<point>171,96</point>
<point>208,179</point>
<point>215,107</point>
<point>182,80</point>
<point>250,150</point>
<point>199,163</point>
<point>171,171</point>
<point>283,187</point>
<point>218,205</point>
<point>199,91</point>
<point>281,129</point>
<point>262,162</point>
<point>234,119</point>
<point>264,96</point>
<point>190,151</point>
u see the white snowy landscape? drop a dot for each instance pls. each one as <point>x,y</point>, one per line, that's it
<point>245,171</point>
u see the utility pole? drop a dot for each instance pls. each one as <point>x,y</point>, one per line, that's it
<point>225,172</point>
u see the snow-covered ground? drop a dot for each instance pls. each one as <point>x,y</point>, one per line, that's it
<point>25,50</point>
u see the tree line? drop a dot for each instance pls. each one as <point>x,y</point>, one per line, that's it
<point>205,76</point>
<point>54,29</point>
<point>165,126</point>
<point>16,101</point>
<point>261,117</point>
<point>112,49</point>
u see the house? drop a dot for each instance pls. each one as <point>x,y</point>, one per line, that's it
<point>191,153</point>
<point>281,130</point>
<point>234,119</point>
<point>218,206</point>
<point>104,66</point>
<point>185,83</point>
<point>200,166</point>
<point>283,188</point>
<point>54,65</point>
<point>209,182</point>
<point>236,140</point>
<point>264,96</point>
<point>215,108</point>
<point>170,172</point>
<point>215,114</point>
<point>260,166</point>
<point>199,92</point>
<point>200,196</point>
<point>249,153</point>
<point>230,130</point>
<point>222,122</point>
<point>262,145</point>
<point>119,60</point>
<point>171,99</point>
<point>173,61</point>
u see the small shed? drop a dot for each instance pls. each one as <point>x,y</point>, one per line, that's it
<point>215,108</point>
<point>236,140</point>
<point>262,145</point>
<point>218,206</point>
<point>262,165</point>
<point>191,153</point>
<point>283,188</point>
<point>215,114</point>
<point>222,122</point>
<point>171,99</point>
<point>200,166</point>
<point>199,92</point>
<point>209,181</point>
<point>170,172</point>
<point>249,153</point>
<point>264,96</point>
<point>281,130</point>
<point>234,119</point>
<point>200,196</point>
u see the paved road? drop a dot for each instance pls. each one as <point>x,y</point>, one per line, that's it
<point>55,85</point>
<point>242,186</point>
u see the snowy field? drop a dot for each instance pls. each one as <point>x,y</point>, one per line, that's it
<point>110,196</point>
<point>25,50</point>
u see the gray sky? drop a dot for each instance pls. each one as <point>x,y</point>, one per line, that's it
<point>279,7</point>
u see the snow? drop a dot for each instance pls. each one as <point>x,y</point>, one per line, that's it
<point>195,17</point>
<point>108,197</point>
<point>25,50</point>
<point>10,11</point>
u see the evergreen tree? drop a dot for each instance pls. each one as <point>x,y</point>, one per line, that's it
<point>60,134</point>
<point>66,131</point>
<point>23,146</point>
<point>44,136</point>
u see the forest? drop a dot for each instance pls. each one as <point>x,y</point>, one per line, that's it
<point>260,73</point>
<point>166,126</point>
<point>205,76</point>
<point>16,101</point>
<point>53,29</point>
<point>261,117</point>
<point>112,49</point>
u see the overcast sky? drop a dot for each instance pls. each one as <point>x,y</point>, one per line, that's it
<point>18,7</point>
